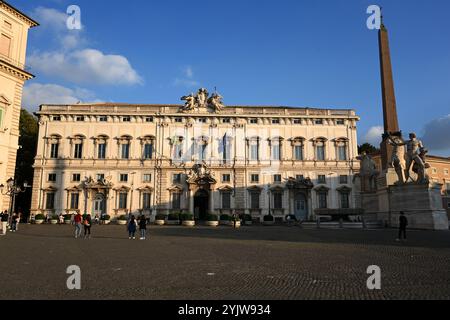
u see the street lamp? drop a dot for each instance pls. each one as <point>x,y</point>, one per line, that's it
<point>12,190</point>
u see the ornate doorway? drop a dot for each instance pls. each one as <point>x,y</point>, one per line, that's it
<point>300,206</point>
<point>201,203</point>
<point>99,205</point>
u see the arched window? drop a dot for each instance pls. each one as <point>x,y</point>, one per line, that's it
<point>253,148</point>
<point>275,148</point>
<point>298,150</point>
<point>341,145</point>
<point>320,148</point>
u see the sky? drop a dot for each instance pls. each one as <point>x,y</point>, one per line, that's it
<point>314,53</point>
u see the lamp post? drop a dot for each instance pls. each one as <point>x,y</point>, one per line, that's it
<point>12,190</point>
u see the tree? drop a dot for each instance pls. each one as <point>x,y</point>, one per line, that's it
<point>367,148</point>
<point>29,130</point>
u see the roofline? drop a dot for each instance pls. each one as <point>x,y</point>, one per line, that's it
<point>33,23</point>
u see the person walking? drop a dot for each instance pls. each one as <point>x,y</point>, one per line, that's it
<point>19,217</point>
<point>4,222</point>
<point>13,223</point>
<point>403,223</point>
<point>87,223</point>
<point>77,221</point>
<point>132,228</point>
<point>143,227</point>
<point>61,219</point>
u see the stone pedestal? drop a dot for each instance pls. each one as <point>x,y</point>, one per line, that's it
<point>421,203</point>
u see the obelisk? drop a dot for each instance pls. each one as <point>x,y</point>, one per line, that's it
<point>389,104</point>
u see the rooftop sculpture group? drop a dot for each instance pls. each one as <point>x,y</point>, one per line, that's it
<point>202,100</point>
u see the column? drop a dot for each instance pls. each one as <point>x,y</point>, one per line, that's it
<point>211,201</point>
<point>191,201</point>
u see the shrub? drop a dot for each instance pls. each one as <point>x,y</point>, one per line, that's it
<point>160,216</point>
<point>67,217</point>
<point>40,217</point>
<point>248,217</point>
<point>187,217</point>
<point>268,218</point>
<point>174,216</point>
<point>106,217</point>
<point>55,217</point>
<point>122,218</point>
<point>212,217</point>
<point>225,217</point>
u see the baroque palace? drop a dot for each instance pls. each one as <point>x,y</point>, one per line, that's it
<point>200,157</point>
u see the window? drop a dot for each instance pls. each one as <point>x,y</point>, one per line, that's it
<point>54,150</point>
<point>178,151</point>
<point>321,179</point>
<point>146,201</point>
<point>277,178</point>
<point>179,120</point>
<point>254,121</point>
<point>101,151</point>
<point>226,200</point>
<point>320,150</point>
<point>78,151</point>
<point>148,119</point>
<point>297,121</point>
<point>101,177</point>
<point>254,200</point>
<point>56,118</point>
<point>276,151</point>
<point>148,150</point>
<point>254,178</point>
<point>340,122</point>
<point>125,152</point>
<point>202,151</point>
<point>319,121</point>
<point>126,119</point>
<point>275,121</point>
<point>226,146</point>
<point>322,197</point>
<point>5,45</point>
<point>342,152</point>
<point>226,120</point>
<point>123,177</point>
<point>278,200</point>
<point>254,150</point>
<point>176,200</point>
<point>74,200</point>
<point>123,199</point>
<point>52,177</point>
<point>103,119</point>
<point>298,152</point>
<point>345,203</point>
<point>79,118</point>
<point>343,179</point>
<point>176,178</point>
<point>147,177</point>
<point>50,201</point>
<point>226,178</point>
<point>201,120</point>
<point>76,177</point>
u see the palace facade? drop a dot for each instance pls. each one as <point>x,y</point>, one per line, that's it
<point>14,26</point>
<point>202,157</point>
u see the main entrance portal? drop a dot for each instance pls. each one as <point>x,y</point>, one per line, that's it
<point>201,201</point>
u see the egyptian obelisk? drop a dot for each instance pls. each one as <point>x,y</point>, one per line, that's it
<point>388,92</point>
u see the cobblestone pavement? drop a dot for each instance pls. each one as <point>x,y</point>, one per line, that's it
<point>257,262</point>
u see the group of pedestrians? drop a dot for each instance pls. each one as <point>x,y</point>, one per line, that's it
<point>4,220</point>
<point>85,222</point>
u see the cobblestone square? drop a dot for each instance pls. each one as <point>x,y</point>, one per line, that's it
<point>256,262</point>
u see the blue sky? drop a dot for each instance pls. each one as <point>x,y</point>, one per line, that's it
<point>256,52</point>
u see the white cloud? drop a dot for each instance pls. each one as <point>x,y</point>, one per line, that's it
<point>187,80</point>
<point>50,18</point>
<point>373,136</point>
<point>87,66</point>
<point>36,94</point>
<point>436,135</point>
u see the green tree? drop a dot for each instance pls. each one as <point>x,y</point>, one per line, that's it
<point>367,148</point>
<point>29,129</point>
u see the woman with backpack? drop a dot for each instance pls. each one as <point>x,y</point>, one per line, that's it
<point>132,224</point>
<point>87,226</point>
